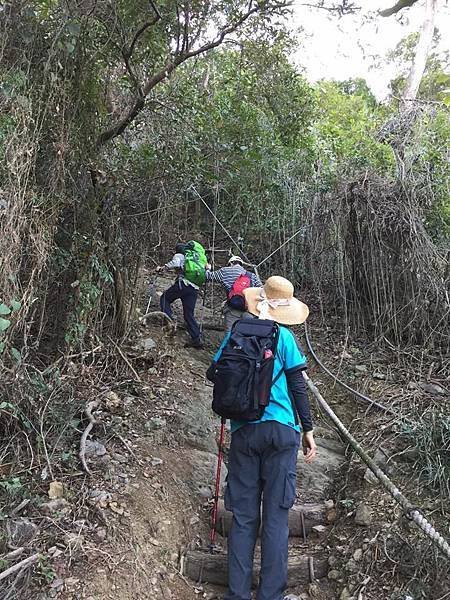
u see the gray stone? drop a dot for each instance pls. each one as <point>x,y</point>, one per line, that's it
<point>155,423</point>
<point>433,388</point>
<point>361,368</point>
<point>205,492</point>
<point>101,534</point>
<point>358,554</point>
<point>381,460</point>
<point>333,575</point>
<point>21,531</point>
<point>363,515</point>
<point>351,566</point>
<point>147,344</point>
<point>59,505</point>
<point>203,473</point>
<point>378,375</point>
<point>316,479</point>
<point>198,424</point>
<point>94,449</point>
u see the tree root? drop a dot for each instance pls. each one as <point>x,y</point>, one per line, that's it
<point>23,564</point>
<point>171,324</point>
<point>92,421</point>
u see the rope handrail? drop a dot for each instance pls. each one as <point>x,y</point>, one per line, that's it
<point>358,395</point>
<point>410,510</point>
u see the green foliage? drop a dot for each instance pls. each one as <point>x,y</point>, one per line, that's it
<point>5,324</point>
<point>430,436</point>
<point>346,130</point>
<point>12,486</point>
<point>45,570</point>
<point>435,82</point>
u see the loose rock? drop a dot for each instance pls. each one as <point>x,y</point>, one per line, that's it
<point>94,449</point>
<point>113,402</point>
<point>56,490</point>
<point>333,575</point>
<point>147,344</point>
<point>155,423</point>
<point>432,388</point>
<point>21,532</point>
<point>358,554</point>
<point>363,515</point>
<point>58,505</point>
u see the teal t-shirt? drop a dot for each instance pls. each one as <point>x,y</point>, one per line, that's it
<point>288,356</point>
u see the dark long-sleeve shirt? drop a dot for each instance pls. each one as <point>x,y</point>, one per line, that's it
<point>297,389</point>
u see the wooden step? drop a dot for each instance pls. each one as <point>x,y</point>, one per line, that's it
<point>202,567</point>
<point>302,518</point>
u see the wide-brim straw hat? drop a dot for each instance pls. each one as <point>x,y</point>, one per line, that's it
<point>275,300</point>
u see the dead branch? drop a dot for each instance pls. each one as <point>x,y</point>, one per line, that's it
<point>92,421</point>
<point>20,566</point>
<point>13,554</point>
<point>400,5</point>
<point>125,359</point>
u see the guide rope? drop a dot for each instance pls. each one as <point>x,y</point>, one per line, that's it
<point>410,510</point>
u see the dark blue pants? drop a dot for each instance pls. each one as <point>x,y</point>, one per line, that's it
<point>188,296</point>
<point>262,463</point>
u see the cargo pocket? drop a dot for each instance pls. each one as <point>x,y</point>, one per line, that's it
<point>227,497</point>
<point>289,490</point>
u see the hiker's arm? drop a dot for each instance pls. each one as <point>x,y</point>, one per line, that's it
<point>297,388</point>
<point>175,263</point>
<point>256,281</point>
<point>213,276</point>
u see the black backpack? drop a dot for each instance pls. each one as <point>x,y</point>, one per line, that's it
<point>243,374</point>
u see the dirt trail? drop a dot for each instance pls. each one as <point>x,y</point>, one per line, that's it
<point>154,497</point>
<point>130,529</point>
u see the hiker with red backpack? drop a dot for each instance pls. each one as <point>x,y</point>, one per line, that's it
<point>258,384</point>
<point>234,279</point>
<point>189,262</point>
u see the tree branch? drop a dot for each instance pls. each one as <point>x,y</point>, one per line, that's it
<point>342,9</point>
<point>401,4</point>
<point>138,34</point>
<point>139,102</point>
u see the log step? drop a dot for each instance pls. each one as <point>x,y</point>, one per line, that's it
<point>202,567</point>
<point>301,518</point>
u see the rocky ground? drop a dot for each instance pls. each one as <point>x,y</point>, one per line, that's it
<point>127,530</point>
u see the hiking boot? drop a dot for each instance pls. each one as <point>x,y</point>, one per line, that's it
<point>195,344</point>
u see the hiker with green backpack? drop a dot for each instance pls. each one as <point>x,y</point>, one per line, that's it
<point>189,261</point>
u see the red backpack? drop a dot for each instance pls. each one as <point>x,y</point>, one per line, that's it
<point>236,297</point>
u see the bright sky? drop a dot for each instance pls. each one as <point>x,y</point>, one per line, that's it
<point>347,47</point>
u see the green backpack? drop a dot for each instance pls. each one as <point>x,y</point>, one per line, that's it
<point>195,263</point>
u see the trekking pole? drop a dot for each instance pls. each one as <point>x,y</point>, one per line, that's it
<point>151,287</point>
<point>203,307</point>
<point>212,537</point>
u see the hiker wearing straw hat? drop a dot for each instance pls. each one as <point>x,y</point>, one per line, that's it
<point>234,279</point>
<point>263,453</point>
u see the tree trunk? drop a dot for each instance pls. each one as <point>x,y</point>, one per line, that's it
<point>422,52</point>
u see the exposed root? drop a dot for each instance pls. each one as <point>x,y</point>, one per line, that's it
<point>20,566</point>
<point>92,421</point>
